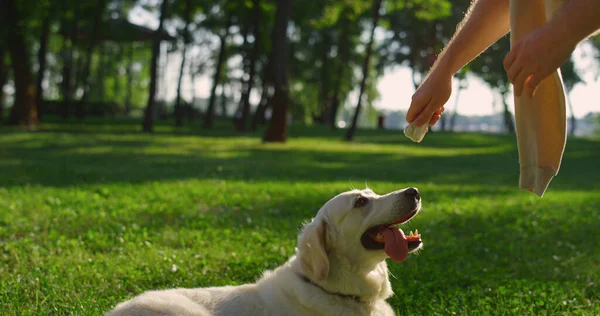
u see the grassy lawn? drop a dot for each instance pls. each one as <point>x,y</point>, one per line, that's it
<point>93,214</point>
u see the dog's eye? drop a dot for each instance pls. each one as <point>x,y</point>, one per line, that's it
<point>361,201</point>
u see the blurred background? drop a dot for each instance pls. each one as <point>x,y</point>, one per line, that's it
<point>336,63</point>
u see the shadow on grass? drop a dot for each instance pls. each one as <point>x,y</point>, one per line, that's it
<point>479,233</point>
<point>514,245</point>
<point>96,159</point>
<point>223,129</point>
<point>533,257</point>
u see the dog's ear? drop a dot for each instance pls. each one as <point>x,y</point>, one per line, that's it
<point>313,251</point>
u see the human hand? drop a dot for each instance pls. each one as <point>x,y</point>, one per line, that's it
<point>536,57</point>
<point>428,101</point>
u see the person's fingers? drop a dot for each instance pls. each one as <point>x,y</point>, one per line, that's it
<point>531,84</point>
<point>514,71</point>
<point>427,113</point>
<point>509,59</point>
<point>520,80</point>
<point>436,117</point>
<point>417,105</point>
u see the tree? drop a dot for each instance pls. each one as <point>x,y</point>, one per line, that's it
<point>223,100</point>
<point>277,131</point>
<point>210,111</point>
<point>488,66</point>
<point>365,69</point>
<point>419,30</point>
<point>311,43</point>
<point>570,79</point>
<point>24,111</point>
<point>325,77</point>
<point>344,53</point>
<point>186,42</point>
<point>252,59</point>
<point>3,74</point>
<point>263,104</point>
<point>129,76</point>
<point>462,84</point>
<point>45,33</point>
<point>148,123</point>
<point>68,26</point>
<point>92,39</point>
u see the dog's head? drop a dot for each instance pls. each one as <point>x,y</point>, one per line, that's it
<point>360,227</point>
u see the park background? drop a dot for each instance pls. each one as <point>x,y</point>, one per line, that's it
<point>150,144</point>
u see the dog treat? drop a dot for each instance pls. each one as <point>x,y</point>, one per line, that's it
<point>415,133</point>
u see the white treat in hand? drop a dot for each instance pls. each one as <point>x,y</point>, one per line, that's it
<point>415,133</point>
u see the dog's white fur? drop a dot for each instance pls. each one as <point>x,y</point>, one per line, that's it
<point>329,254</point>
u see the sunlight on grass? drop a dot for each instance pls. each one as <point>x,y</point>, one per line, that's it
<point>92,217</point>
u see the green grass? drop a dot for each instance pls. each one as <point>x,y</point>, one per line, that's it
<point>92,214</point>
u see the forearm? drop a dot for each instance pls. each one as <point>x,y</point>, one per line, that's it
<point>576,21</point>
<point>485,23</point>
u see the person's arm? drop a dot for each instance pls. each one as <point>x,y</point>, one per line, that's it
<point>485,22</point>
<point>539,54</point>
<point>578,18</point>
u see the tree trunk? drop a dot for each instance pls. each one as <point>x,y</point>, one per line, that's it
<point>42,63</point>
<point>191,110</point>
<point>3,76</point>
<point>259,113</point>
<point>209,116</point>
<point>245,100</point>
<point>365,70</point>
<point>148,124</point>
<point>67,59</point>
<point>263,105</point>
<point>178,110</point>
<point>223,101</point>
<point>85,75</point>
<point>461,86</point>
<point>24,111</point>
<point>443,121</point>
<point>344,53</point>
<point>277,131</point>
<point>508,118</point>
<point>455,113</point>
<point>444,118</point>
<point>186,41</point>
<point>129,74</point>
<point>324,93</point>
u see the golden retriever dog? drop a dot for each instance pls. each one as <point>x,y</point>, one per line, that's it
<point>339,267</point>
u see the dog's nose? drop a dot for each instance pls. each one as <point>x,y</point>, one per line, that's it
<point>412,193</point>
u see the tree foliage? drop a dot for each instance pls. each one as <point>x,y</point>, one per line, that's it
<point>89,53</point>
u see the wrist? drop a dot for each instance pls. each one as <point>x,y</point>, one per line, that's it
<point>444,66</point>
<point>561,35</point>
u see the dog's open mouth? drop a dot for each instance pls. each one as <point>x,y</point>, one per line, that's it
<point>392,239</point>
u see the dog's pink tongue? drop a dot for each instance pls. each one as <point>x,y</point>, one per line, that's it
<point>396,245</point>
